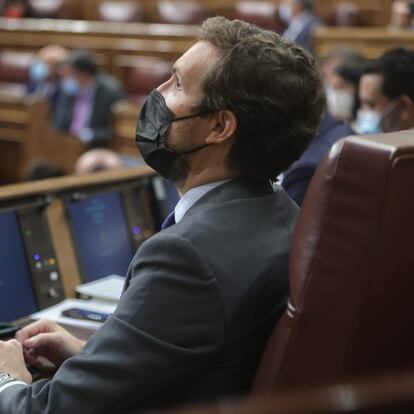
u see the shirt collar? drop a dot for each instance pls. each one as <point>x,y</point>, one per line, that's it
<point>192,196</point>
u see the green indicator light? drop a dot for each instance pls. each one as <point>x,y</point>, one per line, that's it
<point>28,233</point>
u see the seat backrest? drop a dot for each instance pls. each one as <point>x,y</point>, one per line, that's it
<point>350,310</point>
<point>51,9</point>
<point>142,74</point>
<point>262,13</point>
<point>120,11</point>
<point>14,66</point>
<point>181,11</point>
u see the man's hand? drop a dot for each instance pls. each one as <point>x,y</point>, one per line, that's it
<point>12,361</point>
<point>46,339</point>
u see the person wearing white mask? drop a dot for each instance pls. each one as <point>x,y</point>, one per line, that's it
<point>45,72</point>
<point>386,93</point>
<point>301,21</point>
<point>342,89</point>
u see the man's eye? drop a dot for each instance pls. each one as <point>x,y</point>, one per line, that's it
<point>177,83</point>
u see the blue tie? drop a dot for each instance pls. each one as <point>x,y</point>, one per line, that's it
<point>169,221</point>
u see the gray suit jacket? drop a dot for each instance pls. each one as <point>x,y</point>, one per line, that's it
<point>108,91</point>
<point>200,300</point>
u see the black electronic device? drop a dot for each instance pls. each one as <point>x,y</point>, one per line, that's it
<point>29,275</point>
<point>41,256</point>
<point>85,314</point>
<point>108,224</point>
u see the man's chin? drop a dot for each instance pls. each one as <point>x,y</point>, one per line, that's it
<point>179,171</point>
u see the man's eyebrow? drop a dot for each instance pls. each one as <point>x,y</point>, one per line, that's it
<point>176,71</point>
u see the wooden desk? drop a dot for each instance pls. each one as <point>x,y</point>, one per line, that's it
<point>60,232</point>
<point>21,120</point>
<point>370,42</point>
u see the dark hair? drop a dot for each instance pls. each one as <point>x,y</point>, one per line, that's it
<point>83,61</point>
<point>351,70</point>
<point>273,87</point>
<point>397,69</point>
<point>307,4</point>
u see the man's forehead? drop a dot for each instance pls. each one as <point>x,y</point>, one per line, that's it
<point>197,59</point>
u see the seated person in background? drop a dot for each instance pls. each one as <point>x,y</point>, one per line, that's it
<point>301,21</point>
<point>201,296</point>
<point>335,69</point>
<point>84,105</point>
<point>100,159</point>
<point>297,178</point>
<point>401,15</point>
<point>342,89</point>
<point>16,9</point>
<point>386,93</point>
<point>97,159</point>
<point>46,72</point>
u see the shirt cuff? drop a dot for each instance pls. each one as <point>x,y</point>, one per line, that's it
<point>11,383</point>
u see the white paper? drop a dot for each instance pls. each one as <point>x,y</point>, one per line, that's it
<point>54,313</point>
<point>107,288</point>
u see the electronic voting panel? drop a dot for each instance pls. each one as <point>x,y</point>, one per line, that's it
<point>108,225</point>
<point>29,277</point>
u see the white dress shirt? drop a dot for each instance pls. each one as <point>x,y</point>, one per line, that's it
<point>192,196</point>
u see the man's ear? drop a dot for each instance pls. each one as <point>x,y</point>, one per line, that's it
<point>224,126</point>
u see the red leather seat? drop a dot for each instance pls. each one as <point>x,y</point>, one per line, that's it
<point>14,71</point>
<point>262,13</point>
<point>51,9</point>
<point>120,11</point>
<point>181,12</point>
<point>143,74</point>
<point>350,310</point>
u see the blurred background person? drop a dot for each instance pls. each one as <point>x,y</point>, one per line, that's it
<point>16,9</point>
<point>386,93</point>
<point>401,16</point>
<point>84,105</point>
<point>301,21</point>
<point>342,88</point>
<point>46,72</point>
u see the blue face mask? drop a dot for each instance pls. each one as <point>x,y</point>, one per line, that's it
<point>71,86</point>
<point>368,122</point>
<point>38,71</point>
<point>285,12</point>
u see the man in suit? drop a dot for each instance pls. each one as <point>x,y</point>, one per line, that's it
<point>83,108</point>
<point>301,21</point>
<point>202,295</point>
<point>298,177</point>
<point>386,93</point>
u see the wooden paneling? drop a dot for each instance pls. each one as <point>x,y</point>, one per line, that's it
<point>374,13</point>
<point>371,42</point>
<point>108,40</point>
<point>22,120</point>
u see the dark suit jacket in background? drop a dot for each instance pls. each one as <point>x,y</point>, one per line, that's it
<point>200,300</point>
<point>108,91</point>
<point>297,178</point>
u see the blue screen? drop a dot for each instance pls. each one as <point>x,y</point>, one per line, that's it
<point>16,290</point>
<point>101,236</point>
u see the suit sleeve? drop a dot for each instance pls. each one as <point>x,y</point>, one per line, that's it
<point>167,330</point>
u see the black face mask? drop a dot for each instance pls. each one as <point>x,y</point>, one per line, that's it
<point>153,123</point>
